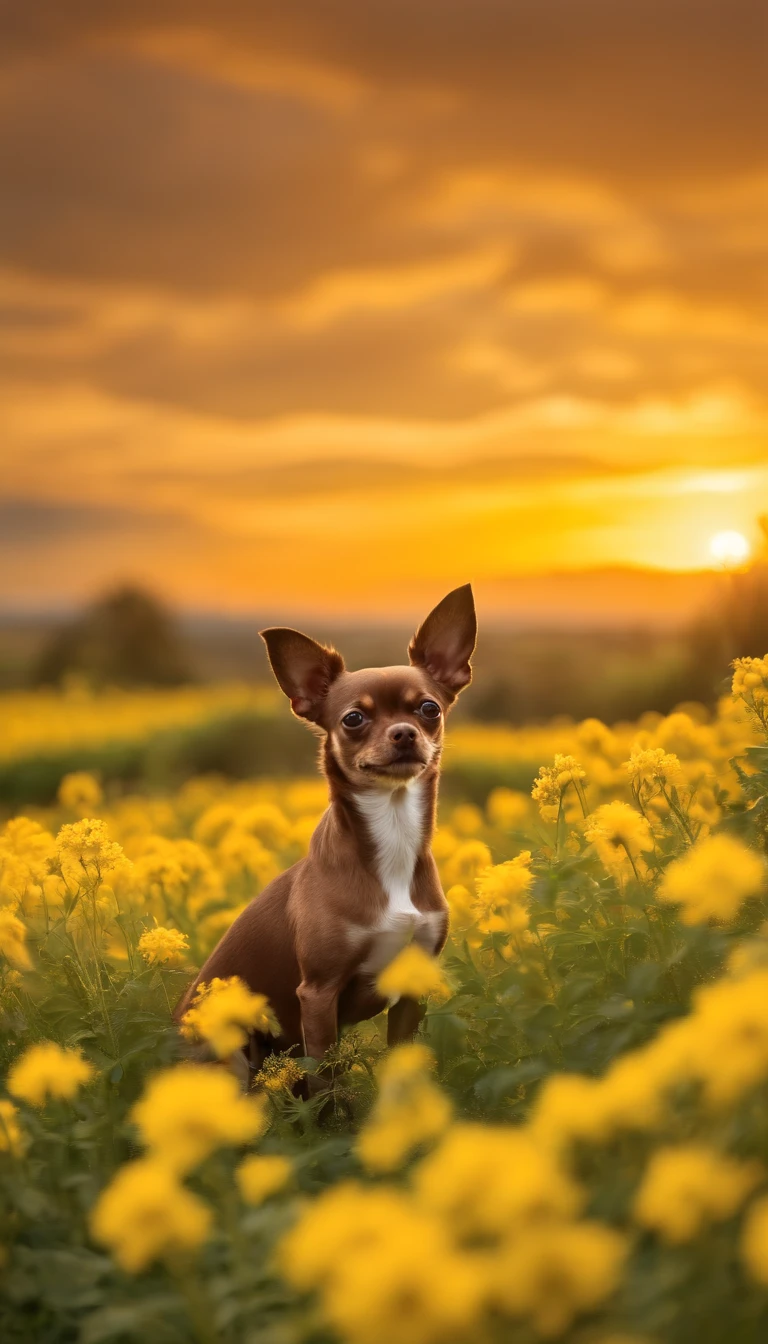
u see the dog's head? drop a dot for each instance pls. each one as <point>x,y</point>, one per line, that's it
<point>384,725</point>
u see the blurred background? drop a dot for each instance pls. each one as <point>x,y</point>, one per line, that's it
<point>309,313</point>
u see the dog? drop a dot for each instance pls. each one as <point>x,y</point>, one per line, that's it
<point>316,938</point>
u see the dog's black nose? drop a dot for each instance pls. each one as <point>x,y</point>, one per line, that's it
<point>402,734</point>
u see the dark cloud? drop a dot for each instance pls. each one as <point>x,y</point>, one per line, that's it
<point>30,523</point>
<point>641,85</point>
<point>234,238</point>
<point>169,171</point>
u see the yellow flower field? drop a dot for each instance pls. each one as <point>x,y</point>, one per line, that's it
<point>575,1148</point>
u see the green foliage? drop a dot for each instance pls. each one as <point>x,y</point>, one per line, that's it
<point>599,967</point>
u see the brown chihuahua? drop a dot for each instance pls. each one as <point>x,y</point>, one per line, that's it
<point>317,937</point>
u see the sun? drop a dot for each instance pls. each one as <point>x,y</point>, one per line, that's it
<point>729,548</point>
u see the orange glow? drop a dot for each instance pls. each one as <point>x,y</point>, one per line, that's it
<point>303,319</point>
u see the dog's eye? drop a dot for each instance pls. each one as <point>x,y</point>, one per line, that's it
<point>353,719</point>
<point>429,709</point>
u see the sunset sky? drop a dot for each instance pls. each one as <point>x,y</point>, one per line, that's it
<point>328,307</point>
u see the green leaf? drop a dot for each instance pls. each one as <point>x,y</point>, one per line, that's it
<point>500,1082</point>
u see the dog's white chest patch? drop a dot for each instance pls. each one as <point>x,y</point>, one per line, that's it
<point>396,826</point>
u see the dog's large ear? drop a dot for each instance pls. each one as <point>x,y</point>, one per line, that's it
<point>304,669</point>
<point>445,641</point>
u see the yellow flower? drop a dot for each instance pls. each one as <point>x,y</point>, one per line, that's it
<point>265,821</point>
<point>25,849</point>
<point>386,1270</point>
<point>687,1187</point>
<point>146,1214</point>
<point>553,1272</point>
<point>80,792</point>
<point>347,1217</point>
<point>567,1108</point>
<point>466,819</point>
<point>13,939</point>
<point>568,770</point>
<point>553,780</point>
<point>416,1290</point>
<point>11,1137</point>
<point>224,1013</point>
<point>85,851</point>
<point>750,683</point>
<point>488,1179</point>
<point>501,901</point>
<point>506,808</point>
<point>754,1241</point>
<point>304,796</point>
<point>680,733</point>
<point>174,869</point>
<point>214,823</point>
<point>410,1110</point>
<point>188,1111</point>
<point>414,973</point>
<point>618,831</point>
<point>653,765</point>
<point>258,1176</point>
<point>244,854</point>
<point>705,808</point>
<point>713,879</point>
<point>46,1070</point>
<point>279,1073</point>
<point>595,737</point>
<point>632,1093</point>
<point>461,904</point>
<point>444,843</point>
<point>727,1039</point>
<point>466,861</point>
<point>163,947</point>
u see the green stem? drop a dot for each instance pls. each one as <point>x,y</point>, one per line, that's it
<point>545,955</point>
<point>632,861</point>
<point>681,817</point>
<point>559,829</point>
<point>197,1303</point>
<point>582,797</point>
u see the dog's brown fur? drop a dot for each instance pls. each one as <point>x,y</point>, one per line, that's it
<point>307,941</point>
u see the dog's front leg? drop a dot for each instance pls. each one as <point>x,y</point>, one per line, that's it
<point>403,1020</point>
<point>319,1017</point>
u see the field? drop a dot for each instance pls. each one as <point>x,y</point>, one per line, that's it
<point>576,1148</point>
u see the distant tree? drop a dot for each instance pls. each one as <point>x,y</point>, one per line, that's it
<point>126,638</point>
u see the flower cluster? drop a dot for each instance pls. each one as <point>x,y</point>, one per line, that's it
<point>46,1070</point>
<point>488,1226</point>
<point>224,1013</point>
<point>409,1110</point>
<point>619,834</point>
<point>146,1213</point>
<point>552,782</point>
<point>262,1175</point>
<point>687,1186</point>
<point>279,1073</point>
<point>654,766</point>
<point>186,1113</point>
<point>412,973</point>
<point>84,848</point>
<point>713,879</point>
<point>13,939</point>
<point>80,792</point>
<point>501,902</point>
<point>577,1133</point>
<point>164,947</point>
<point>750,684</point>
